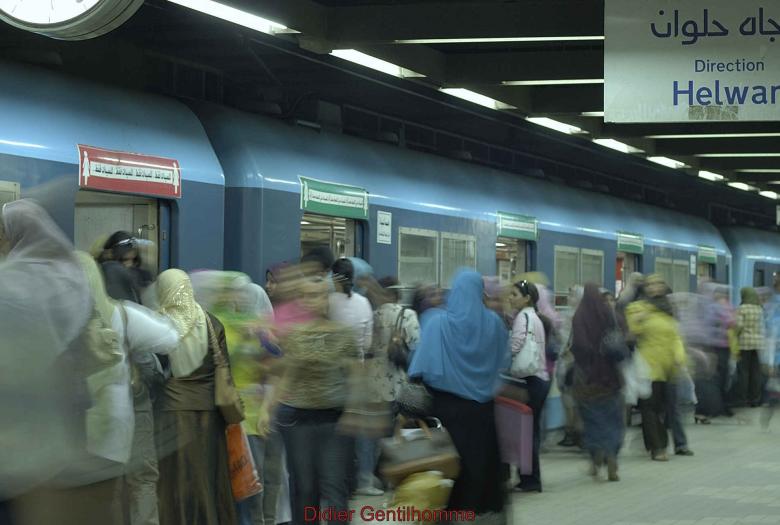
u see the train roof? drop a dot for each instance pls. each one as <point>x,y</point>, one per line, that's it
<point>262,152</point>
<point>47,114</point>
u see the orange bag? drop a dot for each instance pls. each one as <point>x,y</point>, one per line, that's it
<point>243,472</point>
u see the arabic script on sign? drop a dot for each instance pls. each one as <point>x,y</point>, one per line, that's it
<point>691,30</point>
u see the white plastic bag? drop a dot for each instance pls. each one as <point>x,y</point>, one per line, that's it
<point>636,378</point>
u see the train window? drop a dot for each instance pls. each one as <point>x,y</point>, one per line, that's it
<point>457,251</point>
<point>567,267</point>
<point>681,280</point>
<point>336,233</point>
<point>511,258</point>
<point>664,268</point>
<point>9,191</point>
<point>592,267</point>
<point>418,256</point>
<point>98,215</point>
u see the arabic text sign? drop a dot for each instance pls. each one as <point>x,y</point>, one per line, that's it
<point>517,226</point>
<point>384,227</point>
<point>630,242</point>
<point>123,172</point>
<point>707,254</point>
<point>709,60</point>
<point>337,200</point>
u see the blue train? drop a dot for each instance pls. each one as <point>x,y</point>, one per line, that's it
<point>255,191</point>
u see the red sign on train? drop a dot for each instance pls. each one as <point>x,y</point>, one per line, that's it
<point>119,171</point>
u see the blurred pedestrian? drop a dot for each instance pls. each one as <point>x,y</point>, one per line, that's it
<point>750,327</point>
<point>658,340</point>
<point>194,484</point>
<point>462,348</point>
<point>597,381</point>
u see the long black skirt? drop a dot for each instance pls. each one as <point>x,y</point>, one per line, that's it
<point>472,426</point>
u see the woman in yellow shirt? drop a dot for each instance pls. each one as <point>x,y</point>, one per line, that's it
<point>652,322</point>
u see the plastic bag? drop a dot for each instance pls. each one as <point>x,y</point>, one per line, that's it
<point>244,478</point>
<point>424,490</point>
<point>636,377</point>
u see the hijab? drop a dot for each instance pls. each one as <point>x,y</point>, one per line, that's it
<point>177,301</point>
<point>120,284</point>
<point>463,346</point>
<point>591,320</point>
<point>749,296</point>
<point>44,305</point>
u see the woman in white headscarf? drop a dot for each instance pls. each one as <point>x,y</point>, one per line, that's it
<point>194,482</point>
<point>44,305</point>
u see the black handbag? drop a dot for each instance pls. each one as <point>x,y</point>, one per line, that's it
<point>414,399</point>
<point>397,349</point>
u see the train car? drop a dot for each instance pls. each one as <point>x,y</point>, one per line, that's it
<point>756,257</point>
<point>420,216</point>
<point>132,142</point>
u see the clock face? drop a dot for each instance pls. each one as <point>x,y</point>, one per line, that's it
<point>68,19</point>
<point>46,12</point>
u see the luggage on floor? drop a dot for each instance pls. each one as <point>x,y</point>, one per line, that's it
<point>515,429</point>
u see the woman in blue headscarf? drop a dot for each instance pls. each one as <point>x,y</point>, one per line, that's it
<point>461,350</point>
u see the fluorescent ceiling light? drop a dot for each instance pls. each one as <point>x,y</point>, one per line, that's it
<point>617,145</point>
<point>592,114</point>
<point>231,14</point>
<point>714,136</point>
<point>758,170</point>
<point>710,176</point>
<point>768,194</point>
<point>377,64</point>
<point>498,39</point>
<point>742,186</point>
<point>735,155</point>
<point>476,98</point>
<point>666,161</point>
<point>559,82</point>
<point>304,223</point>
<point>554,124</point>
<point>500,244</point>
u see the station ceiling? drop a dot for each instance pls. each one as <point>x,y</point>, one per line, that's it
<point>537,58</point>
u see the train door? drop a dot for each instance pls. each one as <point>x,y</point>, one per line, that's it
<point>98,215</point>
<point>705,272</point>
<point>341,235</point>
<point>759,277</point>
<point>9,191</point>
<point>512,258</point>
<point>625,265</point>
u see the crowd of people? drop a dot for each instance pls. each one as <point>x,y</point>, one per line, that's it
<point>110,375</point>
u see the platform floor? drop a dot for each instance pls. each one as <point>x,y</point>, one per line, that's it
<point>733,479</point>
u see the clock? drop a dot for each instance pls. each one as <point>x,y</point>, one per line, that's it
<point>68,19</point>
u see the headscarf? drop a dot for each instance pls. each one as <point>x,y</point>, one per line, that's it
<point>749,296</point>
<point>463,347</point>
<point>361,270</point>
<point>177,301</point>
<point>44,305</point>
<point>660,302</point>
<point>591,320</point>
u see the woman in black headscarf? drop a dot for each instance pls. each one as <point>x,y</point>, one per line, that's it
<point>597,381</point>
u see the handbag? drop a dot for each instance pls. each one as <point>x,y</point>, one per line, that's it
<point>226,397</point>
<point>244,479</point>
<point>525,363</point>
<point>397,349</point>
<point>402,456</point>
<point>414,399</point>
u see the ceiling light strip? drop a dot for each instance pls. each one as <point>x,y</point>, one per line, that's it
<point>553,82</point>
<point>377,64</point>
<point>476,98</point>
<point>231,14</point>
<point>735,155</point>
<point>669,163</point>
<point>556,125</point>
<point>714,136</point>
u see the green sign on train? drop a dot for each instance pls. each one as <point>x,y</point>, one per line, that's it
<point>708,254</point>
<point>337,200</point>
<point>630,242</point>
<point>517,226</point>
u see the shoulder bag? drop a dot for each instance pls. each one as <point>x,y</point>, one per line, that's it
<point>397,349</point>
<point>525,363</point>
<point>226,397</point>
